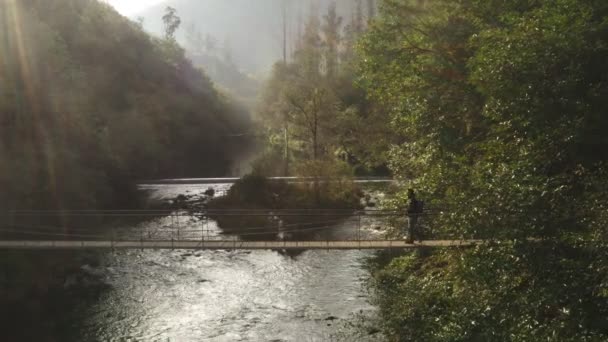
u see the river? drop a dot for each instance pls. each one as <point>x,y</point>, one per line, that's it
<point>228,295</point>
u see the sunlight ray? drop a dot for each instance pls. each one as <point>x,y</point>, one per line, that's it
<point>18,37</point>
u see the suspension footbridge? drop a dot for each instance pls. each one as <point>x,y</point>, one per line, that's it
<point>291,229</point>
<point>231,245</point>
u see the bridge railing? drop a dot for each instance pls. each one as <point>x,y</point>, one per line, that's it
<point>167,225</point>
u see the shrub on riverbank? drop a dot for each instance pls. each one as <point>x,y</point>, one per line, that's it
<point>260,193</point>
<point>534,291</point>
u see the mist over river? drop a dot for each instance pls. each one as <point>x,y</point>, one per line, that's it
<point>227,295</point>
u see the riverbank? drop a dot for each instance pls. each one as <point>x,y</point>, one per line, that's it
<point>546,290</point>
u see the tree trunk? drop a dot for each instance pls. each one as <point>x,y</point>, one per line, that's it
<point>286,156</point>
<point>315,138</point>
<point>285,32</point>
<point>315,154</point>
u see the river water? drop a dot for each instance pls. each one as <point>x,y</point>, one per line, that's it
<point>229,295</point>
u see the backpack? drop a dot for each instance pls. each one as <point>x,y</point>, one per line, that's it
<point>415,207</point>
<point>419,206</point>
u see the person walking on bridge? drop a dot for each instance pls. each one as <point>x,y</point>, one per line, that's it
<point>414,210</point>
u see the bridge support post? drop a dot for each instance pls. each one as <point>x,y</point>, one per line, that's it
<point>207,227</point>
<point>113,239</point>
<point>178,216</point>
<point>359,230</point>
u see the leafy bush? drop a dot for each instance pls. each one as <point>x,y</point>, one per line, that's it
<point>258,192</point>
<point>507,292</point>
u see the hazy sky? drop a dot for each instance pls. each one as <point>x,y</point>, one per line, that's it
<point>129,7</point>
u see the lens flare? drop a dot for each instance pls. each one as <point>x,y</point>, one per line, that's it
<point>19,47</point>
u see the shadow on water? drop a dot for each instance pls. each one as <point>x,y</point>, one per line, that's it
<point>283,225</point>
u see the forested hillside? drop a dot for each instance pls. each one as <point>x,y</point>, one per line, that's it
<point>227,77</point>
<point>89,103</point>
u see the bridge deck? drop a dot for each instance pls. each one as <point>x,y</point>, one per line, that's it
<point>232,245</point>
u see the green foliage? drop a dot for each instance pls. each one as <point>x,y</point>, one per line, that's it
<point>89,103</point>
<point>499,107</point>
<point>507,292</point>
<point>331,183</point>
<point>499,111</point>
<point>313,99</point>
<point>172,22</point>
<point>258,192</point>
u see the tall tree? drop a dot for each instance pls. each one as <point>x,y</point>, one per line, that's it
<point>172,22</point>
<point>284,14</point>
<point>227,54</point>
<point>352,33</point>
<point>210,43</point>
<point>194,38</point>
<point>308,57</point>
<point>331,33</point>
<point>358,20</point>
<point>371,9</point>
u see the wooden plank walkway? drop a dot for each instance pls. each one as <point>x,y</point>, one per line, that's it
<point>234,245</point>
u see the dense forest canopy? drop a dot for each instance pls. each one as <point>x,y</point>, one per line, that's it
<point>499,108</point>
<point>89,103</point>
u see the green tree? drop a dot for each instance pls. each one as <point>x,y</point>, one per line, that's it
<point>331,32</point>
<point>371,9</point>
<point>172,22</point>
<point>312,106</point>
<point>194,39</point>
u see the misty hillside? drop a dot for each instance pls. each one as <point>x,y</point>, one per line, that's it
<point>250,32</point>
<point>228,78</point>
<point>90,101</point>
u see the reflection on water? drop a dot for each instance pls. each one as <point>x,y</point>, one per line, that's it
<point>228,295</point>
<point>259,295</point>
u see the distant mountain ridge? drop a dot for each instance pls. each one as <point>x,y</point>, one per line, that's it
<point>250,30</point>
